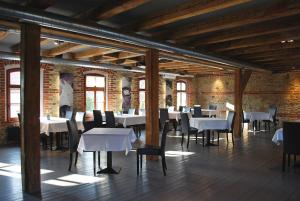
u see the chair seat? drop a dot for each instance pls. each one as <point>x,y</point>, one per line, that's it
<point>193,130</point>
<point>149,150</point>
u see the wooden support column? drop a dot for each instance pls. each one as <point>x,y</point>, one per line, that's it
<point>152,96</point>
<point>241,80</point>
<point>30,108</point>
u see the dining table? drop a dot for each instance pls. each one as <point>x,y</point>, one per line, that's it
<point>54,125</point>
<point>255,117</point>
<point>109,140</point>
<point>208,125</point>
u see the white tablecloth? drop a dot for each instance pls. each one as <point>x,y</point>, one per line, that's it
<point>174,115</point>
<point>209,123</point>
<point>106,139</point>
<point>259,116</point>
<point>56,124</point>
<point>130,120</point>
<point>278,136</point>
<point>209,112</point>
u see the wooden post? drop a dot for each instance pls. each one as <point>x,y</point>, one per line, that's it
<point>30,108</point>
<point>241,80</point>
<point>152,96</point>
<point>238,101</point>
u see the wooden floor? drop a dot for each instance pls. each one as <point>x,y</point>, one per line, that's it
<point>251,170</point>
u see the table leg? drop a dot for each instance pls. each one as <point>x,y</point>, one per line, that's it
<point>208,143</point>
<point>108,169</point>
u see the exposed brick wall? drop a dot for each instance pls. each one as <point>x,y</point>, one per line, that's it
<point>262,91</point>
<point>51,90</point>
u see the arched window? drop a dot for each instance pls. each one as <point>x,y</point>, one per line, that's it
<point>13,91</point>
<point>94,92</point>
<point>142,97</point>
<point>181,93</point>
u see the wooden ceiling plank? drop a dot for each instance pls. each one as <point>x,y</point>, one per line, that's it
<point>110,9</point>
<point>255,41</point>
<point>187,10</point>
<point>3,35</point>
<point>276,53</point>
<point>240,18</point>
<point>16,47</point>
<point>247,32</point>
<point>93,52</point>
<point>61,49</point>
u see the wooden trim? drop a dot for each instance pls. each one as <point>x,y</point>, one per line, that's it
<point>8,87</point>
<point>94,89</point>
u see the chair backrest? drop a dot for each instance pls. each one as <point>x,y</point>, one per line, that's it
<point>273,111</point>
<point>180,108</point>
<point>79,116</point>
<point>73,135</point>
<point>197,112</point>
<point>212,107</point>
<point>88,125</point>
<point>171,109</point>
<point>69,114</point>
<point>230,120</point>
<point>185,123</point>
<point>291,137</point>
<point>131,111</point>
<point>98,121</point>
<point>164,135</point>
<point>110,119</point>
<point>163,116</point>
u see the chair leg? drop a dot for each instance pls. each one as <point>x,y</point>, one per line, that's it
<point>188,141</point>
<point>141,158</point>
<point>203,138</point>
<point>218,137</point>
<point>232,138</point>
<point>289,160</point>
<point>163,161</point>
<point>94,162</point>
<point>70,161</point>
<point>197,138</point>
<point>213,136</point>
<point>76,157</point>
<point>137,164</point>
<point>99,157</point>
<point>227,136</point>
<point>182,136</point>
<point>283,162</point>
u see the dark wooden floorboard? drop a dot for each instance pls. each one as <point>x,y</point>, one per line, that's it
<point>251,170</point>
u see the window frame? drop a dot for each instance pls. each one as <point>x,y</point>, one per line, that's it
<point>181,91</point>
<point>8,98</point>
<point>140,90</point>
<point>94,89</point>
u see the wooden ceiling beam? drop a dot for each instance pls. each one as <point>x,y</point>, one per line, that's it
<point>248,31</point>
<point>61,49</point>
<point>93,52</point>
<point>255,41</point>
<point>40,4</point>
<point>3,35</point>
<point>240,18</point>
<point>276,53</point>
<point>187,10</point>
<point>110,9</point>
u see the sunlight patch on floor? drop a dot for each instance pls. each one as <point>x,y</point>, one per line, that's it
<point>178,153</point>
<point>74,180</point>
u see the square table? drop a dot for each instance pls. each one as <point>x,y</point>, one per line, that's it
<point>107,139</point>
<point>208,124</point>
<point>56,125</point>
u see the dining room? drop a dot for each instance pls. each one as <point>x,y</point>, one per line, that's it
<point>144,100</point>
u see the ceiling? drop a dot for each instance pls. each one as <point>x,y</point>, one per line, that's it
<point>261,32</point>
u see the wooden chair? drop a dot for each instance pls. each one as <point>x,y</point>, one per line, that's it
<point>154,151</point>
<point>187,130</point>
<point>197,112</point>
<point>163,116</point>
<point>291,141</point>
<point>98,121</point>
<point>110,119</point>
<point>73,144</point>
<point>230,121</point>
<point>88,125</point>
